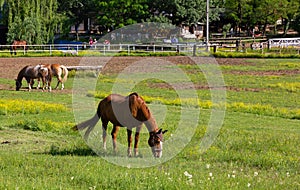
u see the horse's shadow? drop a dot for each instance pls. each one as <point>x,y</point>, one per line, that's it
<point>56,151</point>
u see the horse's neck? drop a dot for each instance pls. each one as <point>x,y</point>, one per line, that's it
<point>145,114</point>
<point>22,74</point>
<point>151,125</point>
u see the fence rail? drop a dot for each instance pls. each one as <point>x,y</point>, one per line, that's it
<point>292,44</point>
<point>75,49</point>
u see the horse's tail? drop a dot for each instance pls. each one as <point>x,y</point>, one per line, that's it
<point>90,124</point>
<point>65,72</point>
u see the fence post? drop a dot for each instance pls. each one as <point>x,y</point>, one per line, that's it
<point>50,49</point>
<point>194,50</point>
<point>128,50</point>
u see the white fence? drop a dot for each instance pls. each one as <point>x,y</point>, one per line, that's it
<point>75,49</point>
<point>284,42</point>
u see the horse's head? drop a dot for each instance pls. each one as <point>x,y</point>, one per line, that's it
<point>156,142</point>
<point>18,85</point>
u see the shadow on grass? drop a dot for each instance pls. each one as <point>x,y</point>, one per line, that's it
<point>56,151</point>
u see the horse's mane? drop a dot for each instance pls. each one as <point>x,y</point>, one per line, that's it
<point>141,112</point>
<point>21,73</point>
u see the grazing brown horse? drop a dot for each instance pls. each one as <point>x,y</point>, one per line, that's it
<point>34,72</point>
<point>130,111</point>
<point>58,71</point>
<point>18,44</point>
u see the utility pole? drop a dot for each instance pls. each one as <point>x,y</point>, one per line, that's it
<point>207,25</point>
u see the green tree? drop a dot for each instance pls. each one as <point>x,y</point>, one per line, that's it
<point>290,10</point>
<point>239,14</point>
<point>77,12</point>
<point>35,21</point>
<point>118,13</point>
<point>187,12</point>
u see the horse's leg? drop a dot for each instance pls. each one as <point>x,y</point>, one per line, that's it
<point>49,83</point>
<point>28,79</point>
<point>114,137</point>
<point>31,82</point>
<point>129,140</point>
<point>44,82</point>
<point>59,80</point>
<point>136,139</point>
<point>104,134</point>
<point>39,83</point>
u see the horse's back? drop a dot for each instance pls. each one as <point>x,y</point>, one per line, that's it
<point>128,111</point>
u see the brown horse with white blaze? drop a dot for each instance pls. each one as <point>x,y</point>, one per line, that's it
<point>130,111</point>
<point>60,71</point>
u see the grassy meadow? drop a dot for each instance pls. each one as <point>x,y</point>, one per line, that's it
<point>256,148</point>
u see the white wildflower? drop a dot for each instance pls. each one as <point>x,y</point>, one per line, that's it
<point>249,184</point>
<point>188,175</point>
<point>255,173</point>
<point>207,166</point>
<point>210,174</point>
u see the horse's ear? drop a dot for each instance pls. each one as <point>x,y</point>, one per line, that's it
<point>159,132</point>
<point>164,131</point>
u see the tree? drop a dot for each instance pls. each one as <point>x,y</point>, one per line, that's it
<point>32,20</point>
<point>118,13</point>
<point>185,12</point>
<point>77,12</point>
<point>239,14</point>
<point>290,11</point>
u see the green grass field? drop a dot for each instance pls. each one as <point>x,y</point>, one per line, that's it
<point>256,148</point>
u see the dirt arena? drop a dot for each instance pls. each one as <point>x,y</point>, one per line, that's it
<point>9,67</point>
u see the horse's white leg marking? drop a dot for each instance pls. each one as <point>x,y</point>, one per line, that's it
<point>29,86</point>
<point>39,84</point>
<point>62,86</point>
